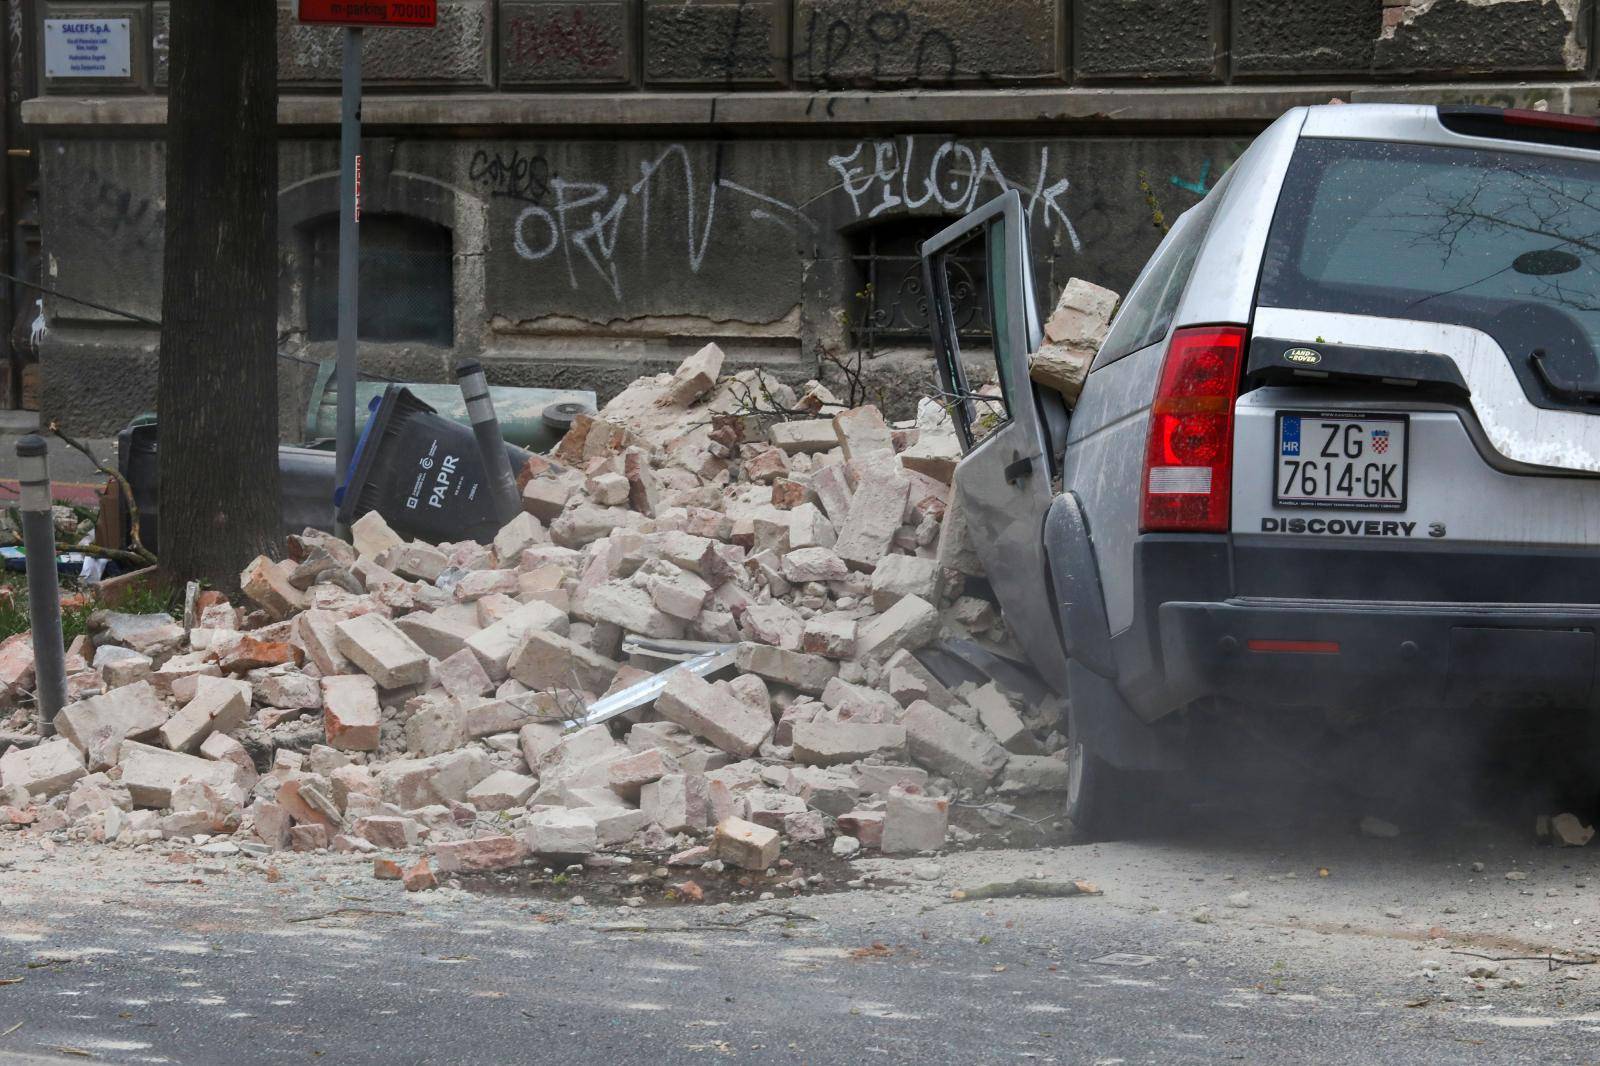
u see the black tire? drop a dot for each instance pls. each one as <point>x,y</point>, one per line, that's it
<point>1103,802</point>
<point>558,416</point>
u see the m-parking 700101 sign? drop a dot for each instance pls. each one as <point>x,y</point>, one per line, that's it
<point>370,12</point>
<point>87,48</point>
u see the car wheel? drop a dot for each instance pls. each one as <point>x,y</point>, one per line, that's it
<point>1102,801</point>
<point>1086,775</point>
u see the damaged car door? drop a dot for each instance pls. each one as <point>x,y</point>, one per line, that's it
<point>1004,480</point>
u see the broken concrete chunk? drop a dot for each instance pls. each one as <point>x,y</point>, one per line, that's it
<point>746,845</point>
<point>371,535</point>
<point>494,645</point>
<point>150,774</point>
<point>908,625</point>
<point>899,576</point>
<point>1002,721</point>
<point>715,712</point>
<point>861,432</point>
<point>805,436</point>
<point>948,746</point>
<point>517,536</point>
<point>914,822</point>
<point>350,713</point>
<point>220,705</point>
<point>677,802</point>
<point>824,743</point>
<point>546,661</point>
<point>808,673</point>
<point>265,585</point>
<point>501,791</point>
<point>813,564</point>
<point>478,855</point>
<point>559,833</point>
<point>43,770</point>
<point>98,726</point>
<point>379,648</point>
<point>695,376</point>
<point>876,508</point>
<point>1035,773</point>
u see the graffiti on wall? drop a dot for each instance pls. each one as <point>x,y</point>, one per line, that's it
<point>878,38</point>
<point>580,224</point>
<point>897,175</point>
<point>681,201</point>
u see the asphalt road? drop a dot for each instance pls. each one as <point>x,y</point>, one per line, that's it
<point>134,958</point>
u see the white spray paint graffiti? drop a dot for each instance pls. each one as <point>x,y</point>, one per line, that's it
<point>887,176</point>
<point>540,232</point>
<point>582,221</point>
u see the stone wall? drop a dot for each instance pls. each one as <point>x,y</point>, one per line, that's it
<point>541,45</point>
<point>625,179</point>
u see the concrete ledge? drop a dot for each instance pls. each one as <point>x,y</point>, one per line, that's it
<point>1243,106</point>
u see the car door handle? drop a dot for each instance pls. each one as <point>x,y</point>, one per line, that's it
<point>1021,466</point>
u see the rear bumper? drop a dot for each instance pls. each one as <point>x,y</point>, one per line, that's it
<point>1358,654</point>
<point>1203,600</point>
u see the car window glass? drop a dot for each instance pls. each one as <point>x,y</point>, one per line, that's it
<point>1146,315</point>
<point>1504,242</point>
<point>999,292</point>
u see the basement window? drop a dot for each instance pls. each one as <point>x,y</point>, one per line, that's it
<point>890,304</point>
<point>407,282</point>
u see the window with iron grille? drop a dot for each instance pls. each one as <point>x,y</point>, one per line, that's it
<point>407,288</point>
<point>891,301</point>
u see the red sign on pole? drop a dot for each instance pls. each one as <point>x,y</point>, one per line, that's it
<point>370,12</point>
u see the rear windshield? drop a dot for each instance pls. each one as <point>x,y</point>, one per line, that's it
<point>1503,242</point>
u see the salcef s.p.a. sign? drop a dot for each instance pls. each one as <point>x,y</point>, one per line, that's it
<point>370,12</point>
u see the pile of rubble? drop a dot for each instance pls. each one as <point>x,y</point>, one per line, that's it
<point>409,700</point>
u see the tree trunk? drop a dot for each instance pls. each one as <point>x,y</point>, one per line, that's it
<point>218,393</point>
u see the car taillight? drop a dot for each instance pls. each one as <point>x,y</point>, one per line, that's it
<point>1188,462</point>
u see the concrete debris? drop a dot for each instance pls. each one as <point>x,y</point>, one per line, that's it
<point>1073,334</point>
<point>409,699</point>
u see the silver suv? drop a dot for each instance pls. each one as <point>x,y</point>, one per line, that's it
<point>1338,458</point>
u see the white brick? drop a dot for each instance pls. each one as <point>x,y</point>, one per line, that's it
<point>559,832</point>
<point>44,770</point>
<point>823,743</point>
<point>914,822</point>
<point>715,712</point>
<point>150,774</point>
<point>908,625</point>
<point>899,576</point>
<point>220,705</point>
<point>382,651</point>
<point>950,747</point>
<point>98,726</point>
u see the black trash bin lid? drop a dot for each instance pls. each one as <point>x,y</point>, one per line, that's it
<point>559,416</point>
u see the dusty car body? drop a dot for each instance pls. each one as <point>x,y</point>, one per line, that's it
<point>1340,451</point>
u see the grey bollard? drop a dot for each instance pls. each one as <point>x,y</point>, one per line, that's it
<point>502,482</point>
<point>44,591</point>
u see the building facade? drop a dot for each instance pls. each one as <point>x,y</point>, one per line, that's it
<point>579,191</point>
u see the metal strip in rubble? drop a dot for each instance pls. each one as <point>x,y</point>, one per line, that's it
<point>716,657</point>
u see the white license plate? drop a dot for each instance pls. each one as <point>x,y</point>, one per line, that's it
<point>1341,461</point>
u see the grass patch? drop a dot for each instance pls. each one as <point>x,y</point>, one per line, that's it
<point>78,606</point>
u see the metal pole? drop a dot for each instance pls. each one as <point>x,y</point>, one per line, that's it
<point>44,592</point>
<point>349,247</point>
<point>501,482</point>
